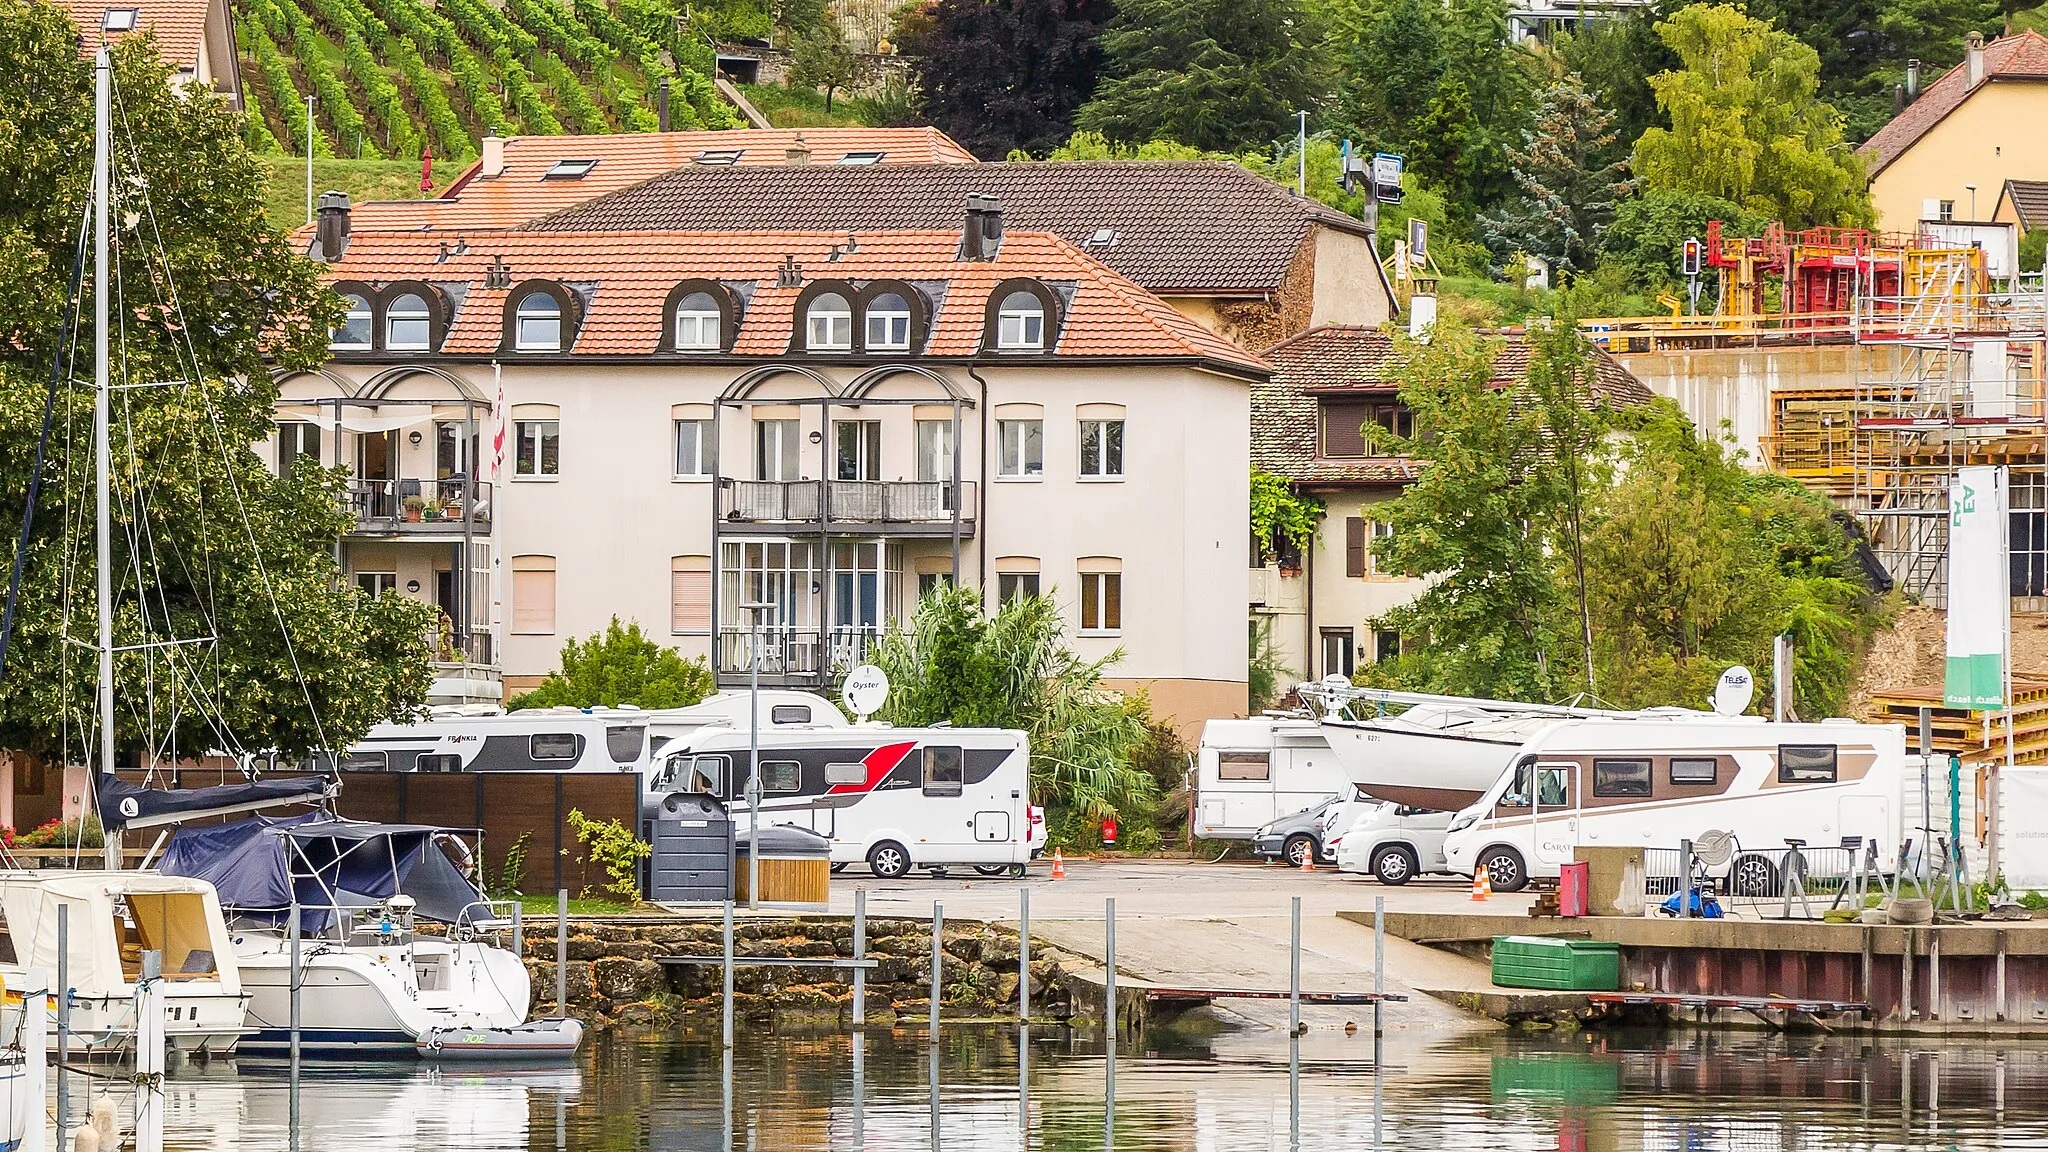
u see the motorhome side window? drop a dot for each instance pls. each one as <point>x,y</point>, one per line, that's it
<point>707,775</point>
<point>362,762</point>
<point>1694,769</point>
<point>551,746</point>
<point>625,742</point>
<point>781,776</point>
<point>1553,787</point>
<point>1621,778</point>
<point>942,772</point>
<point>851,772</point>
<point>790,714</point>
<point>1244,766</point>
<point>1806,763</point>
<point>1516,794</point>
<point>437,762</point>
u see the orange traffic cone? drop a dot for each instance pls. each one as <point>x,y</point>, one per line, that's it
<point>1482,885</point>
<point>1059,866</point>
<point>1308,859</point>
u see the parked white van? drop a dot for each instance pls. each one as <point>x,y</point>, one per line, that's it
<point>1249,773</point>
<point>1621,782</point>
<point>1394,843</point>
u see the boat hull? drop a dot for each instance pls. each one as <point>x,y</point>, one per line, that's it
<point>369,1001</point>
<point>1442,773</point>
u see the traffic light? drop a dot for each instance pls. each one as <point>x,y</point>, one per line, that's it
<point>1691,258</point>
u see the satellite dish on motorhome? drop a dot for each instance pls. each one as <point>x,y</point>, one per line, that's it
<point>1733,693</point>
<point>1336,680</point>
<point>865,691</point>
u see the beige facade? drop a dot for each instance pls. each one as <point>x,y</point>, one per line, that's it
<point>1948,154</point>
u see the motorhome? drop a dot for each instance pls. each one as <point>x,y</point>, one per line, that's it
<point>1249,773</point>
<point>1629,784</point>
<point>779,708</point>
<point>892,798</point>
<point>536,740</point>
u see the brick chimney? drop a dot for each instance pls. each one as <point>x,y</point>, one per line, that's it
<point>1973,56</point>
<point>798,152</point>
<point>330,227</point>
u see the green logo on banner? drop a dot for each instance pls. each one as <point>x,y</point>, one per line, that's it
<point>1964,505</point>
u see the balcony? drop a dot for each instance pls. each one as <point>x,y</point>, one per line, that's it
<point>791,655</point>
<point>897,507</point>
<point>418,507</point>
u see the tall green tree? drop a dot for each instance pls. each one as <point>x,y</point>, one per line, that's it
<point>1568,195</point>
<point>1002,76</point>
<point>1219,75</point>
<point>1746,124</point>
<point>621,665</point>
<point>212,550</point>
<point>1615,59</point>
<point>821,58</point>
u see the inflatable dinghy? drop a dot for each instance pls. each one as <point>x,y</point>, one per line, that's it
<point>533,1040</point>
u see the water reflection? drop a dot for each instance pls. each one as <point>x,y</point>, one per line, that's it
<point>1005,1089</point>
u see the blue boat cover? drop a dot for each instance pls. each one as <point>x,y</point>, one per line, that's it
<point>262,865</point>
<point>120,801</point>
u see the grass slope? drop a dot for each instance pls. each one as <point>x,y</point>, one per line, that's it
<point>361,179</point>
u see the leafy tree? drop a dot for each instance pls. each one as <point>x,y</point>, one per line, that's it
<point>1212,74</point>
<point>1746,124</point>
<point>622,666</point>
<point>1615,58</point>
<point>1932,31</point>
<point>958,664</point>
<point>1568,197</point>
<point>212,549</point>
<point>1002,76</point>
<point>821,58</point>
<point>2033,249</point>
<point>1650,229</point>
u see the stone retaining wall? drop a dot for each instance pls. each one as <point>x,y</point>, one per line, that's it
<point>614,976</point>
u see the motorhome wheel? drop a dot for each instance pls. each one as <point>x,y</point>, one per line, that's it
<point>1504,869</point>
<point>839,867</point>
<point>1297,848</point>
<point>1753,876</point>
<point>1394,864</point>
<point>888,860</point>
<point>992,869</point>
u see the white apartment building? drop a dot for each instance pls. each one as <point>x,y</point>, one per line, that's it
<point>549,429</point>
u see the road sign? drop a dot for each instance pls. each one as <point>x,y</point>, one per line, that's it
<point>1418,241</point>
<point>1386,176</point>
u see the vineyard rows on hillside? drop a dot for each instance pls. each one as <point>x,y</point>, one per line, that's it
<point>392,78</point>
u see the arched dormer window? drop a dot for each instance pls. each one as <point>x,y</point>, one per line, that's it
<point>1020,322</point>
<point>357,329</point>
<point>828,323</point>
<point>888,323</point>
<point>537,323</point>
<point>700,316</point>
<point>408,325</point>
<point>698,323</point>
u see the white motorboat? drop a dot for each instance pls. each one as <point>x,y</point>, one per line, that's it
<point>372,982</point>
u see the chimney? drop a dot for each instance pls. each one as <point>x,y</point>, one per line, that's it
<point>982,232</point>
<point>330,227</point>
<point>1973,55</point>
<point>492,163</point>
<point>661,104</point>
<point>798,151</point>
<point>1898,99</point>
<point>1912,80</point>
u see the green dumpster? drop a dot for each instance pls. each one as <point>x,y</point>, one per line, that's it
<point>1557,965</point>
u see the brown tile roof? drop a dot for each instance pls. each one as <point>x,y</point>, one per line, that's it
<point>521,193</point>
<point>2021,57</point>
<point>179,25</point>
<point>1177,227</point>
<point>627,284</point>
<point>1333,360</point>
<point>2029,202</point>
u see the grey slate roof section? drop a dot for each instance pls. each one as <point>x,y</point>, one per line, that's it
<point>1181,226</point>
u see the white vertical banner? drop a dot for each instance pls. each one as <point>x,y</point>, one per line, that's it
<point>1978,579</point>
<point>498,429</point>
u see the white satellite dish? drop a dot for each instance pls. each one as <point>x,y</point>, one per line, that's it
<point>865,691</point>
<point>1733,693</point>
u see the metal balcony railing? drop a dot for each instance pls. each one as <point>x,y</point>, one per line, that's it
<point>794,653</point>
<point>849,501</point>
<point>424,506</point>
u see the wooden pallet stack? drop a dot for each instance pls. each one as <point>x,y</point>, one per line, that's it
<point>1972,735</point>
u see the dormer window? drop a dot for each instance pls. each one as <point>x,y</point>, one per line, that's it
<point>697,320</point>
<point>829,324</point>
<point>569,170</point>
<point>354,332</point>
<point>888,323</point>
<point>407,325</point>
<point>1020,322</point>
<point>539,323</point>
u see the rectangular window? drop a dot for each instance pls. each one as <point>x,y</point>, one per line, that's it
<point>1102,601</point>
<point>935,451</point>
<point>1020,447</point>
<point>533,599</point>
<point>1807,763</point>
<point>1694,769</point>
<point>775,451</point>
<point>707,775</point>
<point>1386,645</point>
<point>539,450</point>
<point>781,776</point>
<point>1381,530</point>
<point>930,582</point>
<point>377,583</point>
<point>846,775</point>
<point>1102,448</point>
<point>1244,766</point>
<point>361,762</point>
<point>1948,211</point>
<point>437,762</point>
<point>692,439</point>
<point>551,746</point>
<point>790,714</point>
<point>1621,777</point>
<point>1553,786</point>
<point>859,444</point>
<point>1339,652</point>
<point>1343,424</point>
<point>943,774</point>
<point>296,438</point>
<point>1015,586</point>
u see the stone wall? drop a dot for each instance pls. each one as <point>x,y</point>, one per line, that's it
<point>615,977</point>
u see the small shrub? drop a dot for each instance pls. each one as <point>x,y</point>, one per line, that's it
<point>64,834</point>
<point>613,847</point>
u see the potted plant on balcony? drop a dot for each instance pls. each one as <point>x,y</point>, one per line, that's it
<point>415,507</point>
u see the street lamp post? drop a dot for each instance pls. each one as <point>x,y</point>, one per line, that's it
<point>754,609</point>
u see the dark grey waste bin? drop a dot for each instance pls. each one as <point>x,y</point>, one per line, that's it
<point>692,860</point>
<point>796,866</point>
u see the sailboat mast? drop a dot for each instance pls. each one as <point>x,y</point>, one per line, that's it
<point>102,147</point>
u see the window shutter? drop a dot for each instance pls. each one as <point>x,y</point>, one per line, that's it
<point>690,601</point>
<point>1343,422</point>
<point>533,601</point>
<point>1354,546</point>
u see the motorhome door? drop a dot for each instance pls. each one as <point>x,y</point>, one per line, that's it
<point>1554,811</point>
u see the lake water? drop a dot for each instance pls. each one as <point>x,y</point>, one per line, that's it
<point>1241,1092</point>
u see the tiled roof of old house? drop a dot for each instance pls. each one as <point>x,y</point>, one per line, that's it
<point>178,25</point>
<point>2021,57</point>
<point>2029,201</point>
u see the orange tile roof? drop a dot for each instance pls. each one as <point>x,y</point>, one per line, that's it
<point>1107,316</point>
<point>2021,57</point>
<point>521,193</point>
<point>179,25</point>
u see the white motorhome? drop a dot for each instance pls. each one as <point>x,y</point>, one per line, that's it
<point>779,708</point>
<point>893,798</point>
<point>538,739</point>
<point>1626,783</point>
<point>1249,773</point>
